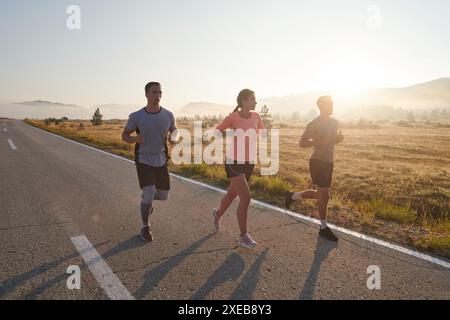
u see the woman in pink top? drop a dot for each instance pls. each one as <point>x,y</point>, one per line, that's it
<point>240,162</point>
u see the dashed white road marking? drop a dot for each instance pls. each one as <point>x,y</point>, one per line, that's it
<point>100,270</point>
<point>12,145</point>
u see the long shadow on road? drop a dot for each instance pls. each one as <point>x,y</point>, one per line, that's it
<point>231,269</point>
<point>133,242</point>
<point>323,248</point>
<point>245,289</point>
<point>12,283</point>
<point>152,277</point>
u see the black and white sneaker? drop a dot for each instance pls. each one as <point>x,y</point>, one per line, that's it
<point>146,234</point>
<point>288,201</point>
<point>328,234</point>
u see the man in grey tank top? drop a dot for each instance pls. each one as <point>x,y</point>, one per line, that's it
<point>322,134</point>
<point>152,124</point>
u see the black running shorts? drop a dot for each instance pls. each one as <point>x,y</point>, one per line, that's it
<point>236,169</point>
<point>153,176</point>
<point>321,173</point>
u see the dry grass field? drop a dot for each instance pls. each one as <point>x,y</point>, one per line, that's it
<point>391,181</point>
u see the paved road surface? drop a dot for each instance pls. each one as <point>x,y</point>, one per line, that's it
<point>53,190</point>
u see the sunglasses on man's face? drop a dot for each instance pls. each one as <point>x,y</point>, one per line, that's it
<point>157,92</point>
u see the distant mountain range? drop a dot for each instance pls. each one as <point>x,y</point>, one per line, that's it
<point>432,94</point>
<point>40,109</point>
<point>44,103</point>
<point>419,97</point>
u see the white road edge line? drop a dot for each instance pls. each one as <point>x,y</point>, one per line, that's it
<point>358,235</point>
<point>100,270</point>
<point>12,145</point>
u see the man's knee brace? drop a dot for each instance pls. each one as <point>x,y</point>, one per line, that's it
<point>162,195</point>
<point>148,194</point>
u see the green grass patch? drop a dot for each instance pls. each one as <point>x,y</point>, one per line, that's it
<point>388,211</point>
<point>436,244</point>
<point>214,174</point>
<point>269,186</point>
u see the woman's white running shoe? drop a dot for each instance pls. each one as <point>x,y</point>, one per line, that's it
<point>247,242</point>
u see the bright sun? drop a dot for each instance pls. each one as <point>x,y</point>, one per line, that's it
<point>349,76</point>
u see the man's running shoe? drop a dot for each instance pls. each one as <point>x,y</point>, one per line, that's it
<point>288,201</point>
<point>328,234</point>
<point>146,235</point>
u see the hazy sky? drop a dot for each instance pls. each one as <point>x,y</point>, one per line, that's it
<point>207,50</point>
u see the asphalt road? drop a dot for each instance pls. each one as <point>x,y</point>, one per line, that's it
<point>52,190</point>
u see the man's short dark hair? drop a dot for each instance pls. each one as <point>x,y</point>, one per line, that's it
<point>149,85</point>
<point>324,100</point>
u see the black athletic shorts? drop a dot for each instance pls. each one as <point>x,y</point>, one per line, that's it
<point>236,169</point>
<point>153,176</point>
<point>321,173</point>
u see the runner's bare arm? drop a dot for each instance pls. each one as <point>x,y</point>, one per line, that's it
<point>126,136</point>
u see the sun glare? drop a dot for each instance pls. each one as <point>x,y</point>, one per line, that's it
<point>349,77</point>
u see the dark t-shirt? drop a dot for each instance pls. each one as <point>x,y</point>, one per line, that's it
<point>322,129</point>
